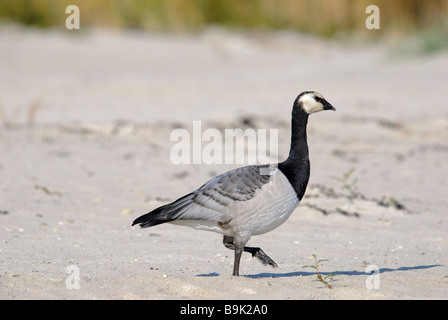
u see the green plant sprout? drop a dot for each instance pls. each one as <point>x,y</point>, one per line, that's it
<point>320,278</point>
<point>349,185</point>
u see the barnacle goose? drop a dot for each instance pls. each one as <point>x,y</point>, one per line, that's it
<point>245,202</point>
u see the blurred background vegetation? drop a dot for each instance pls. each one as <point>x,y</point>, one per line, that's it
<point>326,18</point>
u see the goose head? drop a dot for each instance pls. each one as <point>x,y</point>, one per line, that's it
<point>311,102</point>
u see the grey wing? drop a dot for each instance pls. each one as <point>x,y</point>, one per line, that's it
<point>211,201</point>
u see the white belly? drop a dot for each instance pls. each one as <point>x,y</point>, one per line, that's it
<point>271,207</point>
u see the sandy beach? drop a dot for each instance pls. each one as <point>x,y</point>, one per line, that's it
<point>85,148</point>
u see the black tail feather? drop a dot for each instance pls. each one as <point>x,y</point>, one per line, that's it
<point>152,218</point>
<point>166,213</point>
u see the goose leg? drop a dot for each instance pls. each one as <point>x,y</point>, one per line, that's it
<point>236,263</point>
<point>261,256</point>
<point>255,252</point>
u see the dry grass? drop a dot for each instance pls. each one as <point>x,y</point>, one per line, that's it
<point>11,120</point>
<point>321,17</point>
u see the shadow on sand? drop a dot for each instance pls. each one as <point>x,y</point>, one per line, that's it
<point>306,273</point>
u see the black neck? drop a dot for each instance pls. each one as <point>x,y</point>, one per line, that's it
<point>297,166</point>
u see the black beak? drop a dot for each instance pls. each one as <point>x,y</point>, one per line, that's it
<point>328,106</point>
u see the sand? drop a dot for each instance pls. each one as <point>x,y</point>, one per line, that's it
<point>85,148</point>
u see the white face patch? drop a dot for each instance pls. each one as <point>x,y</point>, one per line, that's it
<point>309,103</point>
